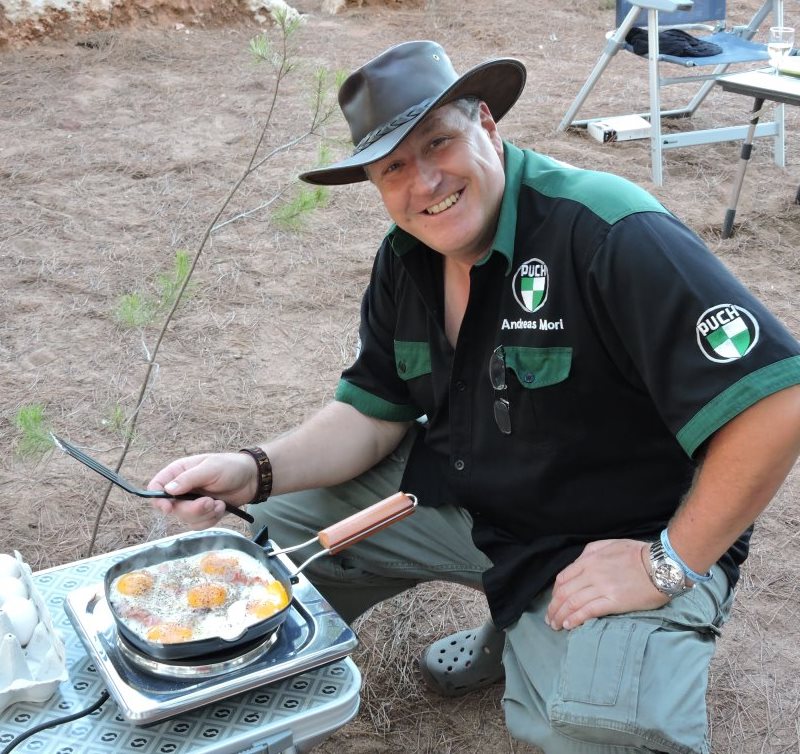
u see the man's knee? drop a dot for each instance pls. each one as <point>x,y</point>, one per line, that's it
<point>623,684</point>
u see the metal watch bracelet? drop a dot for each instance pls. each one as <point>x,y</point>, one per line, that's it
<point>665,573</point>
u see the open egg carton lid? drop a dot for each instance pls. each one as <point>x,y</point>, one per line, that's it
<point>33,672</point>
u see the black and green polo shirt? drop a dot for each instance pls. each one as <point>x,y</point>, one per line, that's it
<point>627,345</point>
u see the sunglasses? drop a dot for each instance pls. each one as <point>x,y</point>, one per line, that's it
<point>497,376</point>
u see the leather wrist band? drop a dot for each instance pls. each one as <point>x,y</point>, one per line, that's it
<point>264,488</point>
<point>690,574</point>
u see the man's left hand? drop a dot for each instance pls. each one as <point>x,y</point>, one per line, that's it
<point>609,577</point>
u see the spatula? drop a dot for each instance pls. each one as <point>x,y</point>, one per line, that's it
<point>115,478</point>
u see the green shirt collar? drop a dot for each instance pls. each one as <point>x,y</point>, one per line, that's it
<point>402,242</point>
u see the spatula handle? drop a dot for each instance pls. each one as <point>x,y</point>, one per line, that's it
<point>243,514</point>
<point>363,524</point>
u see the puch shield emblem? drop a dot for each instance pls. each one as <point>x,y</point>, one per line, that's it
<point>531,285</point>
<point>726,332</point>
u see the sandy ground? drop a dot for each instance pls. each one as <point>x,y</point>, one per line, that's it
<point>117,148</point>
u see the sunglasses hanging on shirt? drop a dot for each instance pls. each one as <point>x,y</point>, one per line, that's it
<point>497,376</point>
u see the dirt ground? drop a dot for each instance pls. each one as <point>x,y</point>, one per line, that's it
<point>117,148</point>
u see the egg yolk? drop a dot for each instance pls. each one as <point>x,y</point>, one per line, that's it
<point>135,584</point>
<point>215,564</point>
<point>207,595</point>
<point>273,599</point>
<point>169,633</point>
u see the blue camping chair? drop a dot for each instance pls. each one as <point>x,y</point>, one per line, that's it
<point>737,47</point>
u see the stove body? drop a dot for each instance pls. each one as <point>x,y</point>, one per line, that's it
<point>276,698</point>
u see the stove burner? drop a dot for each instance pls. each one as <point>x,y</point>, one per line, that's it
<point>215,664</point>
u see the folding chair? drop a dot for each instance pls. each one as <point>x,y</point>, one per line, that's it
<point>737,47</point>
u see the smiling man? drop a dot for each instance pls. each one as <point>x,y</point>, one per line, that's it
<point>590,409</point>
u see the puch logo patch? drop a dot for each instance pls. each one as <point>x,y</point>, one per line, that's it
<point>531,284</point>
<point>726,332</point>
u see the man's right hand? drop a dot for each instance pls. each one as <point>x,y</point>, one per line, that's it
<point>335,444</point>
<point>230,477</point>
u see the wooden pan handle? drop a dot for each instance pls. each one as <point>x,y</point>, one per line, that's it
<point>363,524</point>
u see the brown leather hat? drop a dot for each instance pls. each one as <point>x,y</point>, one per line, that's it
<point>385,99</point>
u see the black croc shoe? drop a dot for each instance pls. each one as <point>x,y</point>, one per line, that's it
<point>464,662</point>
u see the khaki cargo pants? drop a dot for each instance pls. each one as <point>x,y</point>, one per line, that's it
<point>628,683</point>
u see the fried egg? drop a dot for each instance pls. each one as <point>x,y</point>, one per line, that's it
<point>136,583</point>
<point>267,600</point>
<point>207,596</point>
<point>217,564</point>
<point>169,633</point>
<point>215,594</point>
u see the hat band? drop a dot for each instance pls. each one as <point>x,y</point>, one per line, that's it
<point>404,117</point>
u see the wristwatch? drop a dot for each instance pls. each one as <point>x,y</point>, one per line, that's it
<point>666,573</point>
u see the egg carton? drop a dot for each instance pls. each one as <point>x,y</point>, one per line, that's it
<point>31,673</point>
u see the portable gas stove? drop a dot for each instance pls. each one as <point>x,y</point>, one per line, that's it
<point>297,686</point>
<point>147,689</point>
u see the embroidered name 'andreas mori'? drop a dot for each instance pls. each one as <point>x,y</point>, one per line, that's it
<point>533,324</point>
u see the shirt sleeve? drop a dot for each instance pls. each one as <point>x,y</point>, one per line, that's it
<point>676,320</point>
<point>371,384</point>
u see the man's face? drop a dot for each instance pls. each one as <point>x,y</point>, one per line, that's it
<point>444,183</point>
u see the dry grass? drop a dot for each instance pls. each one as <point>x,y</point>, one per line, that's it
<point>396,706</point>
<point>116,154</point>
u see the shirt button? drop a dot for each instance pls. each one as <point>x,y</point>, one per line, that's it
<point>402,366</point>
<point>459,465</point>
<point>529,377</point>
<point>461,386</point>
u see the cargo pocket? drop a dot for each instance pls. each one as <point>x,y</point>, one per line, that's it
<point>638,682</point>
<point>597,699</point>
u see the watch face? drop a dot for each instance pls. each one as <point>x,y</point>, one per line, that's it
<point>668,576</point>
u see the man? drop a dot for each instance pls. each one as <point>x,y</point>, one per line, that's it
<point>590,409</point>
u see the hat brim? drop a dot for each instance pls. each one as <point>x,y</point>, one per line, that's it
<point>498,83</point>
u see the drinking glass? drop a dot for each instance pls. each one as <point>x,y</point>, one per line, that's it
<point>781,39</point>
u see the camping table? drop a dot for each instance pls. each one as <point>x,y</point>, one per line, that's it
<point>285,716</point>
<point>761,85</point>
